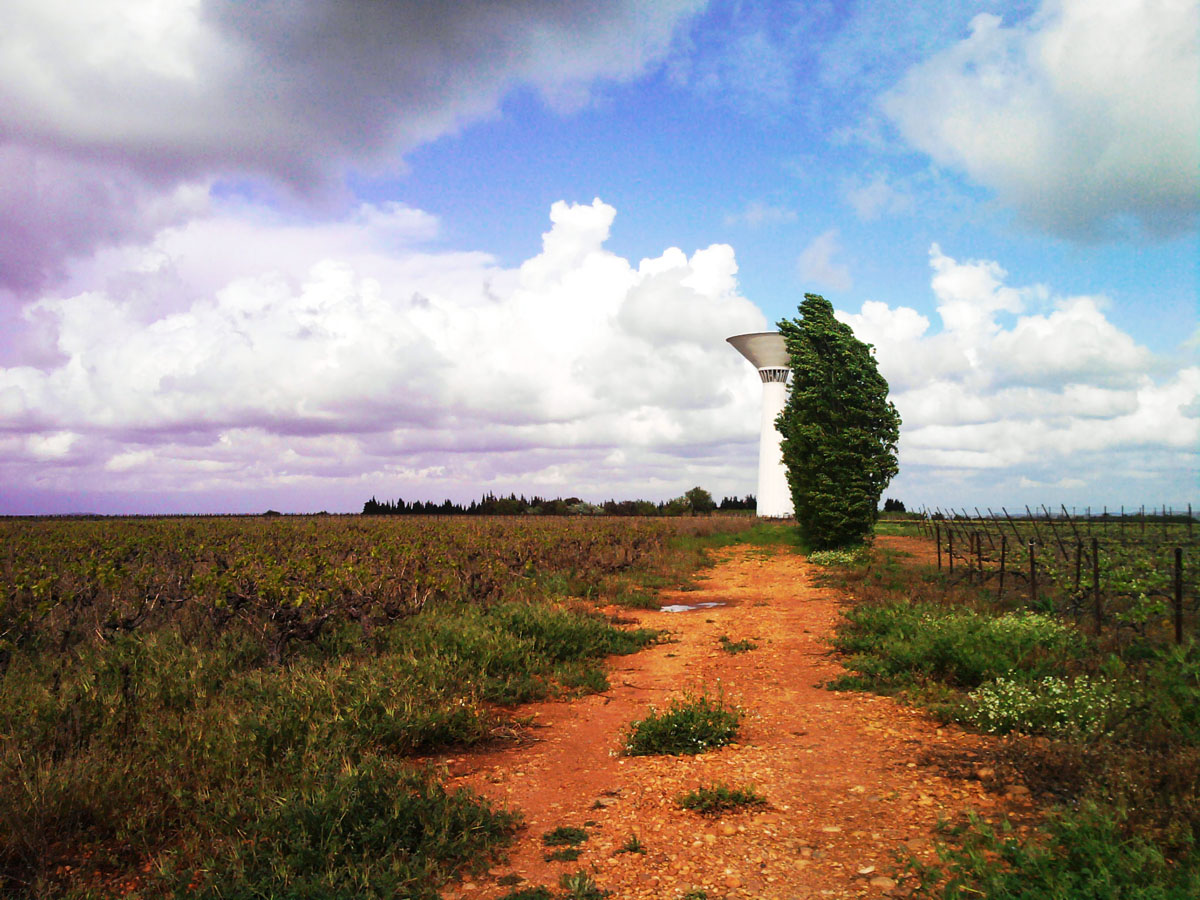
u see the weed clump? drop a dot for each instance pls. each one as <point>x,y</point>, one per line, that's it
<point>1084,853</point>
<point>632,845</point>
<point>529,893</point>
<point>735,647</point>
<point>712,800</point>
<point>687,727</point>
<point>899,644</point>
<point>580,886</point>
<point>1109,727</point>
<point>564,836</point>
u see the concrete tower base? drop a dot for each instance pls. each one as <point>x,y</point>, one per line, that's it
<point>767,353</point>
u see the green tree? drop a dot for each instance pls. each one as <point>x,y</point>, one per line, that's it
<point>839,429</point>
<point>700,501</point>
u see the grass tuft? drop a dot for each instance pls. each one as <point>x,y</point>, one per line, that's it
<point>718,798</point>
<point>632,845</point>
<point>564,836</point>
<point>580,886</point>
<point>735,647</point>
<point>688,726</point>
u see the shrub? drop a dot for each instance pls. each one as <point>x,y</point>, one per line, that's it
<point>564,835</point>
<point>1051,705</point>
<point>530,893</point>
<point>1082,854</point>
<point>580,886</point>
<point>718,798</point>
<point>898,644</point>
<point>375,830</point>
<point>843,557</point>
<point>688,726</point>
<point>735,647</point>
<point>632,845</point>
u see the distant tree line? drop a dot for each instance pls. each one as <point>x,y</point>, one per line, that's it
<point>697,501</point>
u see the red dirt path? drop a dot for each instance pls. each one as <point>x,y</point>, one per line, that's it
<point>841,772</point>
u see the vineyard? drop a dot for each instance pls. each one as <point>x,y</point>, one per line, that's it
<point>226,706</point>
<point>1132,574</point>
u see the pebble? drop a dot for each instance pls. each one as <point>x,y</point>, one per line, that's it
<point>882,882</point>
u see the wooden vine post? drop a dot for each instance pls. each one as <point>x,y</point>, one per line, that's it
<point>1179,595</point>
<point>1032,574</point>
<point>1003,553</point>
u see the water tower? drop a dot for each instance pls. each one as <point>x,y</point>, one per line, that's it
<point>767,353</point>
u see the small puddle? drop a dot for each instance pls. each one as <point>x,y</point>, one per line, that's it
<point>686,607</point>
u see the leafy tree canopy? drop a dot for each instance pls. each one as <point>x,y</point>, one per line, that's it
<point>838,427</point>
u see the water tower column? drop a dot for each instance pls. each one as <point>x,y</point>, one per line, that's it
<point>774,496</point>
<point>768,354</point>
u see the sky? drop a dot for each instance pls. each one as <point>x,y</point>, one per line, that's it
<point>294,255</point>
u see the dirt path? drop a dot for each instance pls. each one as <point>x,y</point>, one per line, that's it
<point>839,769</point>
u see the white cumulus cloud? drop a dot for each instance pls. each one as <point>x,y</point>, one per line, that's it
<point>1021,387</point>
<point>330,356</point>
<point>1084,117</point>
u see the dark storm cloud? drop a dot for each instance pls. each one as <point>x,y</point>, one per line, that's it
<point>106,109</point>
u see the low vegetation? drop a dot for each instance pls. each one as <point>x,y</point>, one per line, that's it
<point>712,800</point>
<point>632,845</point>
<point>1105,729</point>
<point>236,707</point>
<point>565,836</point>
<point>688,726</point>
<point>735,647</point>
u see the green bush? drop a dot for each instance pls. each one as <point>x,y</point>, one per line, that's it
<point>580,886</point>
<point>564,835</point>
<point>530,893</point>
<point>735,647</point>
<point>148,739</point>
<point>718,798</point>
<point>845,558</point>
<point>1081,855</point>
<point>379,829</point>
<point>898,644</point>
<point>1071,707</point>
<point>687,727</point>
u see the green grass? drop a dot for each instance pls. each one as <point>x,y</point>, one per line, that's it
<point>632,845</point>
<point>1081,854</point>
<point>564,835</point>
<point>712,800</point>
<point>899,644</point>
<point>564,854</point>
<point>580,886</point>
<point>250,731</point>
<point>149,741</point>
<point>688,726</point>
<point>735,647</point>
<point>1117,728</point>
<point>376,830</point>
<point>529,893</point>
